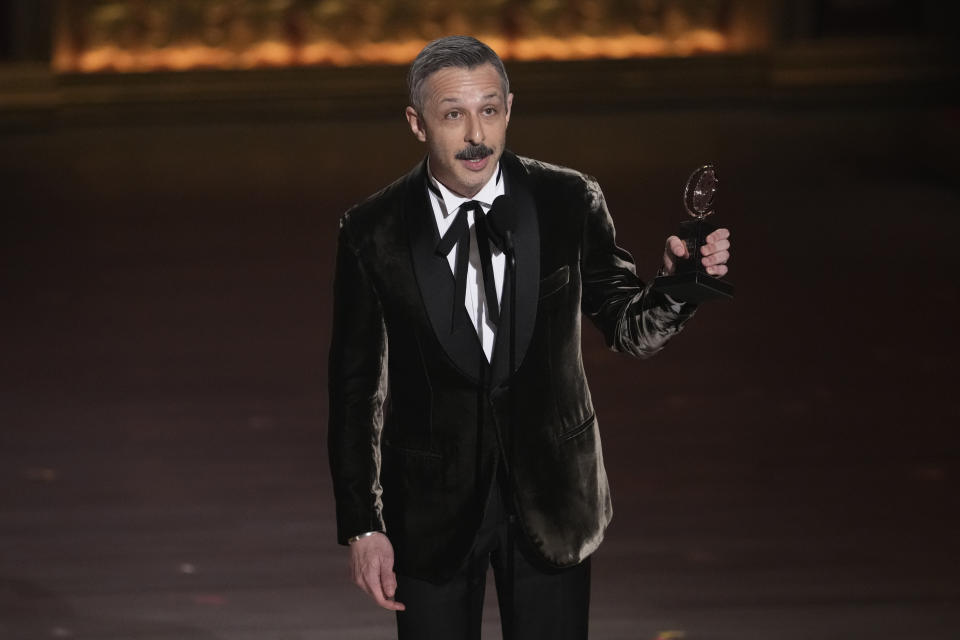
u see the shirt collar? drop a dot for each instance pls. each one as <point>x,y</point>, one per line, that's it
<point>451,202</point>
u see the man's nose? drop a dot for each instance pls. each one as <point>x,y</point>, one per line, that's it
<point>474,134</point>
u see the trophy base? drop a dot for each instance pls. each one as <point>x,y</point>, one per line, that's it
<point>693,286</point>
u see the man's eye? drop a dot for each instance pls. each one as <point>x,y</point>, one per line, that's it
<point>489,111</point>
<point>453,115</point>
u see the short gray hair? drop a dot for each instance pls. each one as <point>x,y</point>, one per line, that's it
<point>453,51</point>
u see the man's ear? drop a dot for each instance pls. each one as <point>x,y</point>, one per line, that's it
<point>416,124</point>
<point>509,106</point>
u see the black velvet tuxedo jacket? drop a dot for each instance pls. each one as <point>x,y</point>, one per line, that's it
<point>418,420</point>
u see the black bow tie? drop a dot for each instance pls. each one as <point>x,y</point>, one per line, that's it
<point>459,234</point>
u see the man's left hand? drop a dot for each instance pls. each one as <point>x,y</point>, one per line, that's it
<point>714,254</point>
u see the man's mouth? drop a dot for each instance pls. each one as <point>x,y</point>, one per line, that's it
<point>476,165</point>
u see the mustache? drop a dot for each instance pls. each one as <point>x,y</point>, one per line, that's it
<point>474,152</point>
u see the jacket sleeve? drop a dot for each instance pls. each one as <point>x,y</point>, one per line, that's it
<point>634,319</point>
<point>357,389</point>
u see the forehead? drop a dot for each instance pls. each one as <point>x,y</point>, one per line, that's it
<point>461,83</point>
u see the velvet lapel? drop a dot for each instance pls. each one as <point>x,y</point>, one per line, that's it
<point>436,281</point>
<point>527,249</point>
<point>435,278</point>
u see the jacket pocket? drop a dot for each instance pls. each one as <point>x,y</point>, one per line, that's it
<point>554,282</point>
<point>580,428</point>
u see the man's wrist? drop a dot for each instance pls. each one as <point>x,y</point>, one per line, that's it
<point>357,538</point>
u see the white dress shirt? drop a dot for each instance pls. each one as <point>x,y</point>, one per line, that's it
<point>445,208</point>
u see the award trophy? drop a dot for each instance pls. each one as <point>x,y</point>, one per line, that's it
<point>690,281</point>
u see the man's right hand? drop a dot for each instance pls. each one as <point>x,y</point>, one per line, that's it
<point>371,565</point>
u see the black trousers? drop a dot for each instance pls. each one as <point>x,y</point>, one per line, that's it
<point>549,603</point>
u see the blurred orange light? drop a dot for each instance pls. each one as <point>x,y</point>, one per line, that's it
<point>271,53</point>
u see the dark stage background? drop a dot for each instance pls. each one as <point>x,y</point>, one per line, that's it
<point>166,251</point>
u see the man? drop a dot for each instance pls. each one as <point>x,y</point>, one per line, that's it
<point>442,456</point>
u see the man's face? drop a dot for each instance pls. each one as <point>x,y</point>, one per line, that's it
<point>464,123</point>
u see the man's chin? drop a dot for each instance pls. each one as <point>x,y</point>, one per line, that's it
<point>469,183</point>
